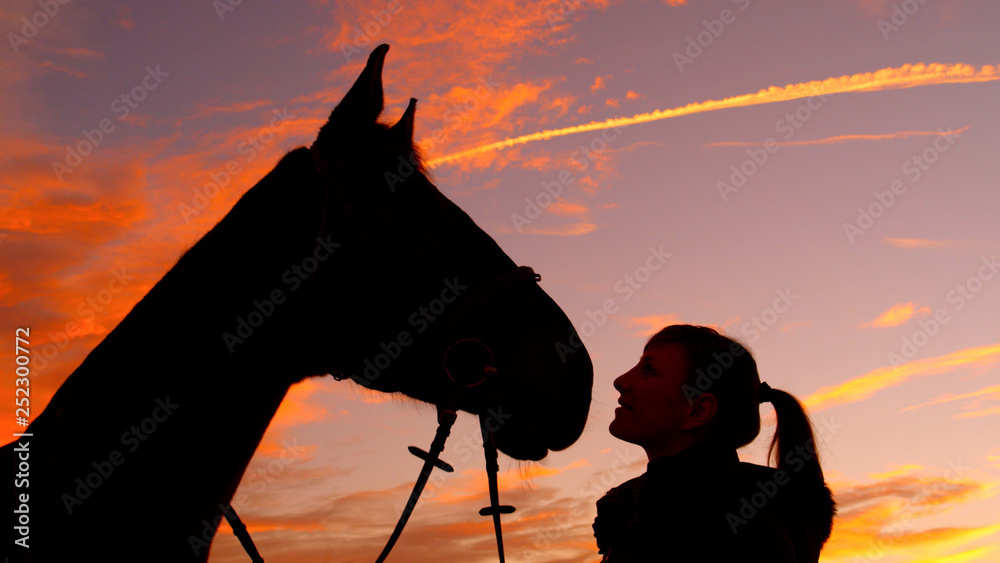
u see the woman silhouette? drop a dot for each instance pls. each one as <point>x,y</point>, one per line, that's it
<point>690,402</point>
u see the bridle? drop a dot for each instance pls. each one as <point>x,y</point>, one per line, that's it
<point>468,363</point>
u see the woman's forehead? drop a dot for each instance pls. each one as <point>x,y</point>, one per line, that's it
<point>664,354</point>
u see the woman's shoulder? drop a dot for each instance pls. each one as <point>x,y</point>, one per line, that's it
<point>616,512</point>
<point>627,492</point>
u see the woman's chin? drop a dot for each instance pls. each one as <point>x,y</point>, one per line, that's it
<point>616,429</point>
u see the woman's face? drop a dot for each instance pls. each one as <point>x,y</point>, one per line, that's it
<point>653,407</point>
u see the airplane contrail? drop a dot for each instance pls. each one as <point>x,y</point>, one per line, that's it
<point>906,76</point>
<point>843,139</point>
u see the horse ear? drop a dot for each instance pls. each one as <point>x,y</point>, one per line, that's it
<point>364,101</point>
<point>402,130</point>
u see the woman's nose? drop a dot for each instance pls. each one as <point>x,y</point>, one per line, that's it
<point>621,382</point>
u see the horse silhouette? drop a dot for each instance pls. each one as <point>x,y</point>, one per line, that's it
<point>345,259</point>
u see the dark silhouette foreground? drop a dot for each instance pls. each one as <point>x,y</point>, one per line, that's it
<point>343,260</point>
<point>690,402</point>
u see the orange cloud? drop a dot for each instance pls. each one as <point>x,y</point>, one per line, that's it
<point>981,554</point>
<point>573,229</point>
<point>897,315</point>
<point>297,408</point>
<point>235,107</point>
<point>864,386</point>
<point>920,243</point>
<point>470,48</point>
<point>598,84</point>
<point>884,516</point>
<point>988,393</point>
<point>907,76</point>
<point>795,325</point>
<point>630,95</point>
<point>448,527</point>
<point>978,413</point>
<point>561,104</point>
<point>652,323</point>
<point>611,102</point>
<point>562,207</point>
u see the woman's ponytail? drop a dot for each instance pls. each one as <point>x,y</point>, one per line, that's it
<point>793,445</point>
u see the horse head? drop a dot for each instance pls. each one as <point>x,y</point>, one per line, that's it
<point>414,275</point>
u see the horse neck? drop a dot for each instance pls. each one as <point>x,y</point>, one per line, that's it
<point>170,350</point>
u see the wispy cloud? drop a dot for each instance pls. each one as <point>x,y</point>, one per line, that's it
<point>980,554</point>
<point>651,324</point>
<point>906,76</point>
<point>562,207</point>
<point>988,393</point>
<point>845,138</point>
<point>897,315</point>
<point>235,107</point>
<point>570,230</point>
<point>921,243</point>
<point>864,386</point>
<point>449,528</point>
<point>884,514</point>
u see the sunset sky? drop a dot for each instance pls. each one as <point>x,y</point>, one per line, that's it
<point>824,176</point>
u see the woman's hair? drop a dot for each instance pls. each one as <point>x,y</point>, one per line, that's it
<point>725,368</point>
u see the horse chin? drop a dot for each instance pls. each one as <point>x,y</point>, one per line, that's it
<point>523,444</point>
